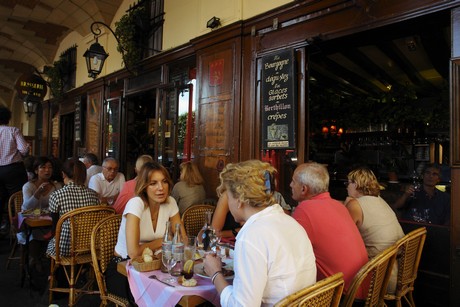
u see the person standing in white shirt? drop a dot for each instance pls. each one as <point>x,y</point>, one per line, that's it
<point>109,182</point>
<point>273,255</point>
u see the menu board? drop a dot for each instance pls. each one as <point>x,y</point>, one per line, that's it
<point>278,101</point>
<point>93,122</point>
<point>77,119</point>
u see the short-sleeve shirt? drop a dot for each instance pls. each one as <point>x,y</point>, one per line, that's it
<point>105,188</point>
<point>68,198</point>
<point>137,207</point>
<point>336,240</point>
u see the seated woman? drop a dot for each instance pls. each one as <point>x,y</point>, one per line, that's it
<point>224,223</point>
<point>375,219</point>
<point>273,256</point>
<point>36,194</point>
<point>73,195</point>
<point>143,223</point>
<point>189,190</point>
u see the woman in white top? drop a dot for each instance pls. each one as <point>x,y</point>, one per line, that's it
<point>376,221</point>
<point>273,256</point>
<point>144,221</point>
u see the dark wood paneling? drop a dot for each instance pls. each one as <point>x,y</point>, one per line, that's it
<point>218,110</point>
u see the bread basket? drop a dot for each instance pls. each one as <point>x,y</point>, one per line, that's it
<point>141,266</point>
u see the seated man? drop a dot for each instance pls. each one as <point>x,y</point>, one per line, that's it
<point>127,192</point>
<point>109,182</point>
<point>427,204</point>
<point>336,241</point>
<point>92,166</point>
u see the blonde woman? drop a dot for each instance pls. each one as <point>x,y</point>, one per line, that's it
<point>273,256</point>
<point>189,190</point>
<point>375,219</point>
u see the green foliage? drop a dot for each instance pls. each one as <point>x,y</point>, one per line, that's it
<point>56,75</point>
<point>131,31</point>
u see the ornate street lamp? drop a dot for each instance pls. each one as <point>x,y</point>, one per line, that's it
<point>95,58</point>
<point>96,55</point>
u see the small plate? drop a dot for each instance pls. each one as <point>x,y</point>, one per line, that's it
<point>199,270</point>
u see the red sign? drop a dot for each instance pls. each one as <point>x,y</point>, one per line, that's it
<point>216,72</point>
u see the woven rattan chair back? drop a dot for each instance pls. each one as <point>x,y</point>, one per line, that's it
<point>324,293</point>
<point>194,218</point>
<point>410,249</point>
<point>14,207</point>
<point>103,241</point>
<point>374,276</point>
<point>81,222</point>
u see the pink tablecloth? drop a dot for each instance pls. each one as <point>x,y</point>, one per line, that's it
<point>150,292</point>
<point>22,218</point>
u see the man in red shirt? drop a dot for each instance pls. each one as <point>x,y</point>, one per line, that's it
<point>336,240</point>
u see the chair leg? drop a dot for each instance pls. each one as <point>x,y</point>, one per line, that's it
<point>11,256</point>
<point>410,299</point>
<point>52,272</point>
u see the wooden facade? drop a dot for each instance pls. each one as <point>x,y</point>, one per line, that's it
<point>228,114</point>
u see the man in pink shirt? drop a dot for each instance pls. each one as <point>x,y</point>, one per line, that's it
<point>127,192</point>
<point>336,240</point>
<point>13,147</point>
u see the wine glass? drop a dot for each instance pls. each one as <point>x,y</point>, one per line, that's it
<point>415,214</point>
<point>169,262</point>
<point>110,201</point>
<point>426,215</point>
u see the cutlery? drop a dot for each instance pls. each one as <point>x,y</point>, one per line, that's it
<point>164,282</point>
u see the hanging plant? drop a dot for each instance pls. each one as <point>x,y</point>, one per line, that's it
<point>56,75</point>
<point>131,30</point>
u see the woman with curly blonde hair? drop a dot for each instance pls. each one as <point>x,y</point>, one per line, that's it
<point>273,256</point>
<point>376,221</point>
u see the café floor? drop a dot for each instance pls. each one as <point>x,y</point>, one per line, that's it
<point>11,293</point>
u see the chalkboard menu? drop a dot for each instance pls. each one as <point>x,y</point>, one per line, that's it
<point>278,101</point>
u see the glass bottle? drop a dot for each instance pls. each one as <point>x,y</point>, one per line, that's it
<point>206,235</point>
<point>177,252</point>
<point>166,246</point>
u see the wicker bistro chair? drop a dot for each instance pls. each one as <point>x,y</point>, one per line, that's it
<point>14,207</point>
<point>410,249</point>
<point>324,293</point>
<point>375,274</point>
<point>103,241</point>
<point>194,218</point>
<point>81,222</point>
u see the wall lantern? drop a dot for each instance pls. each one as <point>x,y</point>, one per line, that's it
<point>95,58</point>
<point>30,104</point>
<point>213,23</point>
<point>96,55</point>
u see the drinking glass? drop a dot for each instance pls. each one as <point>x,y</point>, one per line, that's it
<point>110,201</point>
<point>190,248</point>
<point>169,262</point>
<point>426,215</point>
<point>415,214</point>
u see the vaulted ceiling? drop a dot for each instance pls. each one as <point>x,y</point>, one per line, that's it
<point>31,31</point>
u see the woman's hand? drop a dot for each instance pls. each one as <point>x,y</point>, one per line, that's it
<point>212,264</point>
<point>42,190</point>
